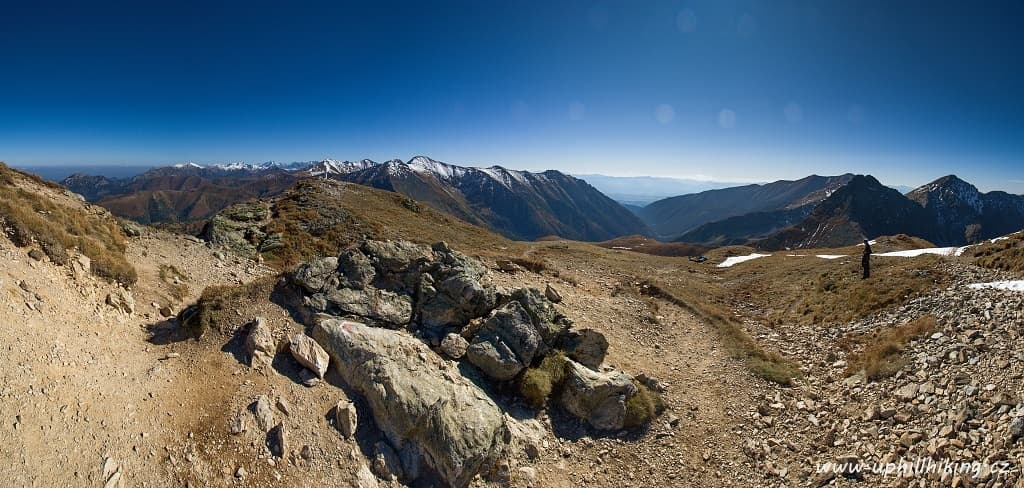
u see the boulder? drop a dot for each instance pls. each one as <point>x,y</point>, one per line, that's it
<point>308,353</point>
<point>587,347</point>
<point>355,269</point>
<point>277,440</point>
<point>397,263</point>
<point>371,303</point>
<point>238,228</point>
<point>599,398</point>
<point>259,344</point>
<point>417,397</point>
<point>318,275</point>
<point>454,346</point>
<point>345,418</point>
<point>505,344</point>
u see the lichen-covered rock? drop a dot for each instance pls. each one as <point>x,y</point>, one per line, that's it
<point>371,303</point>
<point>505,344</point>
<point>416,397</point>
<point>238,228</point>
<point>453,290</point>
<point>599,398</point>
<point>551,323</point>
<point>318,275</point>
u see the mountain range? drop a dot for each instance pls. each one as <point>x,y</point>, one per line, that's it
<point>815,211</point>
<point>518,204</point>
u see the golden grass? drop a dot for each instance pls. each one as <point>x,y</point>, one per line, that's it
<point>882,355</point>
<point>28,218</point>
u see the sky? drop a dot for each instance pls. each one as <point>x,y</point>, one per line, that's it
<point>723,90</point>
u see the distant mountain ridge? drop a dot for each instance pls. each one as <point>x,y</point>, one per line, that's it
<point>837,211</point>
<point>674,217</point>
<point>517,204</point>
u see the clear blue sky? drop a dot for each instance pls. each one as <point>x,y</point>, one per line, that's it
<point>731,90</point>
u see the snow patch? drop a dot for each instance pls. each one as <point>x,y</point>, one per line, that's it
<point>940,251</point>
<point>732,261</point>
<point>830,256</point>
<point>999,285</point>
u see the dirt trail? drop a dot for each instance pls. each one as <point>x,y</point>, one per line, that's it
<point>698,441</point>
<point>79,384</point>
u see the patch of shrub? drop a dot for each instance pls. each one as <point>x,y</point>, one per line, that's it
<point>201,317</point>
<point>537,383</point>
<point>643,406</point>
<point>531,264</point>
<point>883,354</point>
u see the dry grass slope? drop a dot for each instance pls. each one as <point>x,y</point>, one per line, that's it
<point>31,218</point>
<point>1007,254</point>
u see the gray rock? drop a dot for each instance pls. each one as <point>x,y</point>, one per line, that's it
<point>283,405</point>
<point>551,323</point>
<point>259,344</point>
<point>1017,428</point>
<point>264,413</point>
<point>587,347</point>
<point>277,440</point>
<point>397,263</point>
<point>454,346</point>
<point>598,398</point>
<point>372,303</point>
<point>416,397</point>
<point>308,353</point>
<point>356,270</point>
<point>318,275</point>
<point>345,418</point>
<point>505,344</point>
<point>454,290</point>
<point>386,463</point>
<point>238,227</point>
<point>552,294</point>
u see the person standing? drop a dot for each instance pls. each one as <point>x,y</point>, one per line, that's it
<point>865,260</point>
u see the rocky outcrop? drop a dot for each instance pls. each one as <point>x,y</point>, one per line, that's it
<point>444,298</point>
<point>238,228</point>
<point>453,291</point>
<point>417,399</point>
